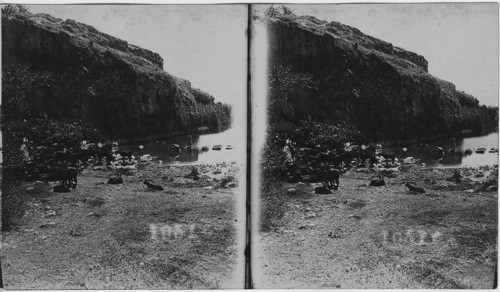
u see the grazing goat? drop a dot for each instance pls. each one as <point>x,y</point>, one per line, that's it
<point>68,177</point>
<point>414,189</point>
<point>152,186</point>
<point>330,177</point>
<point>116,180</point>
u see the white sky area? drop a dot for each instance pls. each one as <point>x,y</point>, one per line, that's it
<point>205,44</point>
<point>459,40</point>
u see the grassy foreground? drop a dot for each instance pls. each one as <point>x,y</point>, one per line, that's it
<point>103,236</point>
<point>385,237</point>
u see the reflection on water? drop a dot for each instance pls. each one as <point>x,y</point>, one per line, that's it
<point>458,158</point>
<point>226,146</point>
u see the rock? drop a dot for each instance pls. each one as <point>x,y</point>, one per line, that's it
<point>232,184</point>
<point>30,189</point>
<point>50,213</point>
<point>310,215</point>
<point>209,187</point>
<point>48,224</point>
<point>409,160</point>
<point>146,158</point>
<point>354,216</point>
<point>141,147</point>
<point>291,190</point>
<point>469,191</point>
<point>307,226</point>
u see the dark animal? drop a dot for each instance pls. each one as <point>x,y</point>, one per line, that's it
<point>116,180</point>
<point>152,186</point>
<point>61,189</point>
<point>378,182</point>
<point>414,189</point>
<point>322,191</point>
<point>330,177</point>
<point>68,177</point>
<point>124,154</point>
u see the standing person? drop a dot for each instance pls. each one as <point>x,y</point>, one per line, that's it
<point>287,152</point>
<point>24,150</point>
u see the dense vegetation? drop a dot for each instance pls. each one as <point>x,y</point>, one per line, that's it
<point>304,132</point>
<point>20,124</point>
<point>215,116</point>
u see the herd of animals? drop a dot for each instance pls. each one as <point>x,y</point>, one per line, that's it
<point>57,163</point>
<point>319,164</point>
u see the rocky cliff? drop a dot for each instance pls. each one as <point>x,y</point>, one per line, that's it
<point>368,82</point>
<point>119,87</point>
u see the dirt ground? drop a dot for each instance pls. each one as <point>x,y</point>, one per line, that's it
<point>103,236</point>
<point>363,236</point>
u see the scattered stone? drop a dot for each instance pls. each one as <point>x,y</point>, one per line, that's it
<point>469,191</point>
<point>50,213</point>
<point>30,189</point>
<point>354,216</point>
<point>307,226</point>
<point>410,160</point>
<point>414,189</point>
<point>209,187</point>
<point>310,215</point>
<point>231,185</point>
<point>95,215</point>
<point>48,224</point>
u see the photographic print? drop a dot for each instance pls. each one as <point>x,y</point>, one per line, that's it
<point>124,146</point>
<point>269,146</point>
<point>380,164</point>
